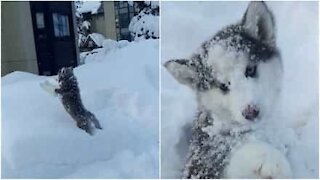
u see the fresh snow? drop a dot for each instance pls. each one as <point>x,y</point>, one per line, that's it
<point>89,6</point>
<point>97,38</point>
<point>40,140</point>
<point>145,25</point>
<point>108,45</point>
<point>185,25</point>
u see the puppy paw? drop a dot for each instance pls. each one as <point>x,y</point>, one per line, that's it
<point>258,160</point>
<point>86,126</point>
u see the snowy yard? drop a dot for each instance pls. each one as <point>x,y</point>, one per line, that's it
<point>120,86</point>
<point>185,25</point>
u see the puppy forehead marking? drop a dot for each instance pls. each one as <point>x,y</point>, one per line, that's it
<point>220,56</point>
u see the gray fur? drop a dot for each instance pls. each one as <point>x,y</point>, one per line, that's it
<point>209,153</point>
<point>71,100</point>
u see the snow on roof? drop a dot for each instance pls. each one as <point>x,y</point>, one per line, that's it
<point>97,38</point>
<point>89,6</point>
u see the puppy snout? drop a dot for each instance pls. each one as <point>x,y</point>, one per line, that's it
<point>251,112</point>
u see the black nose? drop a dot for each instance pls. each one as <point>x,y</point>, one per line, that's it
<point>251,112</point>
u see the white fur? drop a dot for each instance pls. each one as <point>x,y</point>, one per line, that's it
<point>256,13</point>
<point>230,67</point>
<point>258,160</point>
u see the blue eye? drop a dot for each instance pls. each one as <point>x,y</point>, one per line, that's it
<point>251,71</point>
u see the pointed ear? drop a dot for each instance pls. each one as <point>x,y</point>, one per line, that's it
<point>259,23</point>
<point>183,71</point>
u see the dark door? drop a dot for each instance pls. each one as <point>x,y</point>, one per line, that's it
<point>54,35</point>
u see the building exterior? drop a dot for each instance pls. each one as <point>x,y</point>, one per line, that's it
<point>123,15</point>
<point>110,18</point>
<point>95,16</point>
<point>40,36</point>
<point>37,37</point>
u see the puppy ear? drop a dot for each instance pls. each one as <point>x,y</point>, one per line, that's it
<point>62,70</point>
<point>183,71</point>
<point>259,22</point>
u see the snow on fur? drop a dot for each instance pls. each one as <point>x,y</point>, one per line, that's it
<point>40,140</point>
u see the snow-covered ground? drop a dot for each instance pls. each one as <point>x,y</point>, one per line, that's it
<point>120,86</point>
<point>185,25</point>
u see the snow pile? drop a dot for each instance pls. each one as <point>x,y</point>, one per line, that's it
<point>40,140</point>
<point>97,38</point>
<point>108,45</point>
<point>300,110</point>
<point>89,6</point>
<point>145,25</point>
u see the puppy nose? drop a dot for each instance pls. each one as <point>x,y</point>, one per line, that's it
<point>251,112</point>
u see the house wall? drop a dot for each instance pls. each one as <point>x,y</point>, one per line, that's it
<point>110,23</point>
<point>76,36</point>
<point>98,24</point>
<point>17,44</point>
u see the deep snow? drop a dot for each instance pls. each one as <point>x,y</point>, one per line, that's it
<point>185,25</point>
<point>120,86</point>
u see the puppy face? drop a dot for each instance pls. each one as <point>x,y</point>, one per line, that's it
<point>64,74</point>
<point>237,74</point>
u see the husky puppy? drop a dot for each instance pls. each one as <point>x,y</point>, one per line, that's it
<point>71,100</point>
<point>236,76</point>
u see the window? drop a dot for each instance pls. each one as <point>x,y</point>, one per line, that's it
<point>40,20</point>
<point>123,14</point>
<point>125,31</point>
<point>123,10</point>
<point>61,25</point>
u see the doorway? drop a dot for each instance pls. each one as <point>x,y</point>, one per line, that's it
<point>54,35</point>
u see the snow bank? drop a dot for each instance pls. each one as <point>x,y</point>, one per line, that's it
<point>40,140</point>
<point>297,38</point>
<point>108,45</point>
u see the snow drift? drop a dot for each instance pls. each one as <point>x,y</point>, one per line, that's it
<point>40,140</point>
